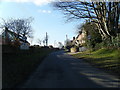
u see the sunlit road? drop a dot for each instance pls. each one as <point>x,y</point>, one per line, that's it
<point>60,70</point>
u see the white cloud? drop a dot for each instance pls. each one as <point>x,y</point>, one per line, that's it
<point>36,2</point>
<point>49,11</point>
<point>44,11</point>
<point>41,2</point>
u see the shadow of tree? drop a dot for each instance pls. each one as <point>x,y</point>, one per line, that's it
<point>96,75</point>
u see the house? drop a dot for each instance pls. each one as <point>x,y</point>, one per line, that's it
<point>9,37</point>
<point>80,39</point>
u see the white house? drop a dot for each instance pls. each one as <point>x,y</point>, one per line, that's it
<point>8,36</point>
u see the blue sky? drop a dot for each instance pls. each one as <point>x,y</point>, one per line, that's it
<point>46,19</point>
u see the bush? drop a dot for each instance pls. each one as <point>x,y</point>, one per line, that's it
<point>73,49</point>
<point>114,43</point>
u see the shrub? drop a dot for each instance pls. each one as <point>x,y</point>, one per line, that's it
<point>73,49</point>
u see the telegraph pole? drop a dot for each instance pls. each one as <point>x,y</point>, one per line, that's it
<point>66,37</point>
<point>54,43</point>
<point>46,39</point>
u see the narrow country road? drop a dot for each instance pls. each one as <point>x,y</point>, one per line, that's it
<point>60,70</point>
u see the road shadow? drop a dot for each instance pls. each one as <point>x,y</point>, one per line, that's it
<point>90,73</point>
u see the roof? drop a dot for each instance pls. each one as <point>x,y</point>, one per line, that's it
<point>13,33</point>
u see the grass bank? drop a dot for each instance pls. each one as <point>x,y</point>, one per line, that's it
<point>18,65</point>
<point>105,59</point>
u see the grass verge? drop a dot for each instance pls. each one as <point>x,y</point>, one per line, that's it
<point>18,65</point>
<point>105,59</point>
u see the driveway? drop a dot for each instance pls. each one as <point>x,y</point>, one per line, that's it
<point>60,70</point>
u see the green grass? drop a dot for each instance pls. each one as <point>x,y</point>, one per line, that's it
<point>18,65</point>
<point>105,59</point>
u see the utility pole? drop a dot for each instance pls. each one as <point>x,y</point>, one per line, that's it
<point>54,43</point>
<point>66,37</point>
<point>46,39</point>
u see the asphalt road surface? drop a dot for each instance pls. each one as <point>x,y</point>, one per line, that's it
<point>60,70</point>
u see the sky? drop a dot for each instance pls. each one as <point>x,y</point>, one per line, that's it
<point>46,19</point>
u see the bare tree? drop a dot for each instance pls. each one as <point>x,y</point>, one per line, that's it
<point>60,45</point>
<point>104,14</point>
<point>22,27</point>
<point>40,42</point>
